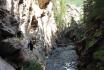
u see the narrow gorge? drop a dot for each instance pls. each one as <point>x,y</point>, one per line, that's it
<point>51,35</point>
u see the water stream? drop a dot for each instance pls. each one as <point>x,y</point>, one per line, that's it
<point>62,58</point>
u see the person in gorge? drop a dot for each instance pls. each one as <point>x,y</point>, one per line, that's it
<point>30,45</point>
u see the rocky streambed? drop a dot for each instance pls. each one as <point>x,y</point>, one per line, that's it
<point>62,58</point>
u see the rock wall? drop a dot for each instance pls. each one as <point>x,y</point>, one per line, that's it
<point>37,24</point>
<point>10,45</point>
<point>35,20</point>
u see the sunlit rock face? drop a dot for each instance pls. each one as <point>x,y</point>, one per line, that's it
<point>73,12</point>
<point>36,21</point>
<point>70,11</point>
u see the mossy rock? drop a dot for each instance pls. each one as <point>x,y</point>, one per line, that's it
<point>99,55</point>
<point>32,65</point>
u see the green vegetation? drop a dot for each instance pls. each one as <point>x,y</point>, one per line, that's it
<point>59,11</point>
<point>32,65</point>
<point>77,2</point>
<point>94,42</point>
<point>93,11</point>
<point>99,55</point>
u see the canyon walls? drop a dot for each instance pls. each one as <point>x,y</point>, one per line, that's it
<point>27,21</point>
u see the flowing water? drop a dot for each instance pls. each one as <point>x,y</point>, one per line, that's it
<point>62,58</point>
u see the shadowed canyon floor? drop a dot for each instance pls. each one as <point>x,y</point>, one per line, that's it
<point>62,58</point>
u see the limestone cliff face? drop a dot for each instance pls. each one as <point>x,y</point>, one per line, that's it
<point>35,20</point>
<point>37,24</point>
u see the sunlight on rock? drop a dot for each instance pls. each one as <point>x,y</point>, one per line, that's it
<point>73,11</point>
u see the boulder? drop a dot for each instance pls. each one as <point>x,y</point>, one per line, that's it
<point>5,66</point>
